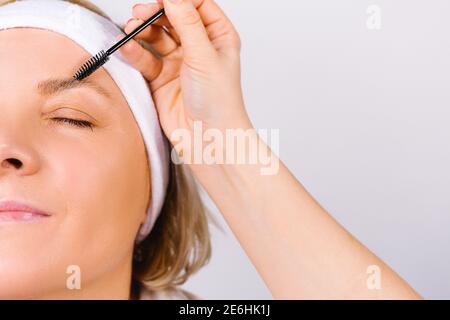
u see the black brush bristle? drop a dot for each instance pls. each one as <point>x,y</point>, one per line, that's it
<point>90,66</point>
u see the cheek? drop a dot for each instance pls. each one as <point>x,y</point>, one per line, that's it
<point>104,181</point>
<point>98,188</point>
<point>104,184</point>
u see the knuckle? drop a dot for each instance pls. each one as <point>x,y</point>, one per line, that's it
<point>139,63</point>
<point>191,17</point>
<point>236,39</point>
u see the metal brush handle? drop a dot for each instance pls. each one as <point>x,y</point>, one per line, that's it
<point>135,32</point>
<point>102,57</point>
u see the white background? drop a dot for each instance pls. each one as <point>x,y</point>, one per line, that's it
<point>364,124</point>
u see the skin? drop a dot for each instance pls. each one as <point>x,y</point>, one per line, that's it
<point>297,247</point>
<point>299,250</point>
<point>91,181</point>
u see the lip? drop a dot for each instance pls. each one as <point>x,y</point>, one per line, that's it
<point>15,211</point>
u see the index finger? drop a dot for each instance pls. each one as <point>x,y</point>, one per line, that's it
<point>218,26</point>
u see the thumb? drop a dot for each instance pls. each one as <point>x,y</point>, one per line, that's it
<point>187,22</point>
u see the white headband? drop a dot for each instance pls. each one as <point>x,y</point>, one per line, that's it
<point>95,33</point>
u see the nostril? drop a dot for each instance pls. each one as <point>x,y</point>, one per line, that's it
<point>12,161</point>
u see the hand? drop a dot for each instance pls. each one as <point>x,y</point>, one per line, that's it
<point>195,75</point>
<point>194,67</point>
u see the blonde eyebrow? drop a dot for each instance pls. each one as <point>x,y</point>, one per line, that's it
<point>54,86</point>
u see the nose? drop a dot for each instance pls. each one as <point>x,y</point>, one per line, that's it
<point>18,159</point>
<point>12,162</point>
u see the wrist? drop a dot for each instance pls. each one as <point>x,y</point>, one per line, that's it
<point>239,171</point>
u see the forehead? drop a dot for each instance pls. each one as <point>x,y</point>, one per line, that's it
<point>29,55</point>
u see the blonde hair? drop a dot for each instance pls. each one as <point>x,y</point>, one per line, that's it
<point>179,243</point>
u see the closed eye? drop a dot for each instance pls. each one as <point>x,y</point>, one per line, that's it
<point>75,122</point>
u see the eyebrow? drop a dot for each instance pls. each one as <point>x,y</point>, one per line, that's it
<point>54,86</point>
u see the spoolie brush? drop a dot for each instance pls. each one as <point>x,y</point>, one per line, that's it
<point>102,57</point>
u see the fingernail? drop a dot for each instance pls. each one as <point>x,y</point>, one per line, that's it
<point>136,7</point>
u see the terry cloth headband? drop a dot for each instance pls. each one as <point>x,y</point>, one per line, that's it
<point>95,33</point>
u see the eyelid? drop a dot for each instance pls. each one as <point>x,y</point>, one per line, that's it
<point>75,122</point>
<point>73,108</point>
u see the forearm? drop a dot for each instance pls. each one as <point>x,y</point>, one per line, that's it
<point>297,247</point>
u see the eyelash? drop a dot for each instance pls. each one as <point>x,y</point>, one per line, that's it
<point>74,122</point>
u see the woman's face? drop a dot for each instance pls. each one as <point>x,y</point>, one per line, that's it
<point>93,183</point>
